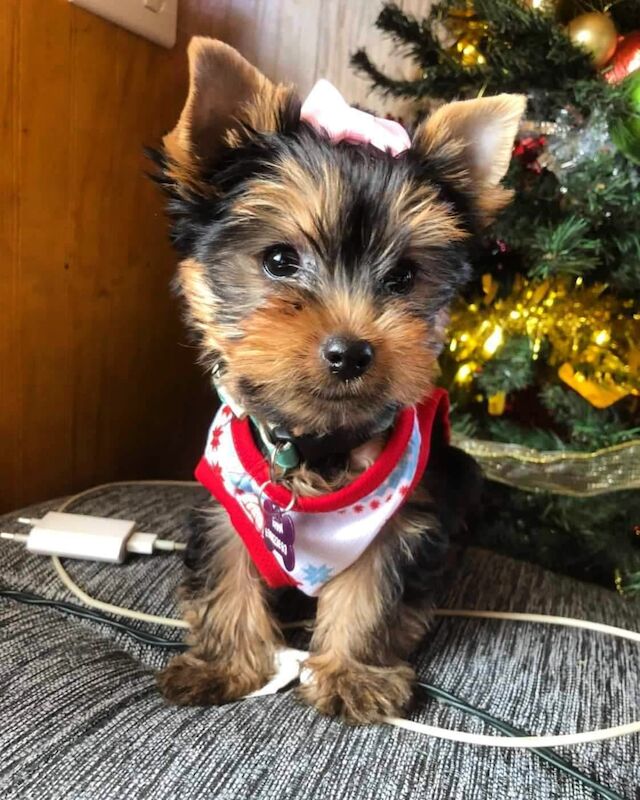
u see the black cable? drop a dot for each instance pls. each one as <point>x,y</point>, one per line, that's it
<point>93,615</point>
<point>544,753</point>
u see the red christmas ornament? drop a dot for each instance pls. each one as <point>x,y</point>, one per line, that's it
<point>528,150</point>
<point>626,58</point>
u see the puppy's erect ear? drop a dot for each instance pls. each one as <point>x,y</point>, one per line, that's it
<point>471,141</point>
<point>225,90</point>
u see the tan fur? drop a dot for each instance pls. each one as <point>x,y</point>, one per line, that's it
<point>403,368</point>
<point>305,482</point>
<point>363,457</point>
<point>358,693</point>
<point>362,635</point>
<point>478,133</point>
<point>225,92</point>
<point>432,224</point>
<point>293,206</point>
<point>202,305</point>
<point>360,639</point>
<point>296,206</point>
<point>232,634</point>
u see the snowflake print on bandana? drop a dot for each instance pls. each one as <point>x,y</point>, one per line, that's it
<point>314,575</point>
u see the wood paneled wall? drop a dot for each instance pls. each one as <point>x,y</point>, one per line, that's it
<point>96,381</point>
<point>303,40</point>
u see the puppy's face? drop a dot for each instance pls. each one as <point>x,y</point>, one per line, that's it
<point>317,273</point>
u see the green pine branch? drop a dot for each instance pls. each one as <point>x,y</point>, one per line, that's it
<point>522,48</point>
<point>591,538</point>
<point>505,430</point>
<point>575,213</point>
<point>511,368</point>
<point>563,249</point>
<point>588,428</point>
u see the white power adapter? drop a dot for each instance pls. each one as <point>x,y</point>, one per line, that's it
<point>86,537</point>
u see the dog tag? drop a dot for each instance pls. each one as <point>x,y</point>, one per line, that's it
<point>279,533</point>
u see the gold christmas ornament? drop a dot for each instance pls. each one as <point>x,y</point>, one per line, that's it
<point>466,31</point>
<point>599,396</point>
<point>593,337</point>
<point>596,33</point>
<point>496,404</point>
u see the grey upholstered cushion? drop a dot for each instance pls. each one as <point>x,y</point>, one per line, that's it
<point>80,716</point>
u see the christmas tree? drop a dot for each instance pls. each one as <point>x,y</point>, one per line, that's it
<point>543,360</point>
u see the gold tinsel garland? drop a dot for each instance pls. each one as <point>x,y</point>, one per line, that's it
<point>593,337</point>
<point>569,473</point>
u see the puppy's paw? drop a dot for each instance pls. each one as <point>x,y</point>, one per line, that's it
<point>189,681</point>
<point>358,693</point>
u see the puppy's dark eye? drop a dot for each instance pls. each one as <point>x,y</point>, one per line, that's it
<point>401,278</point>
<point>281,261</point>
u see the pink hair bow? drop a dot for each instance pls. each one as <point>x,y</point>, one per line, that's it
<point>327,110</point>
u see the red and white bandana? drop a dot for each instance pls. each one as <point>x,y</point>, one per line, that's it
<point>307,542</point>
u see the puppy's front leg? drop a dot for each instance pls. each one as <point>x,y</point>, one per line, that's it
<point>233,635</point>
<point>355,671</point>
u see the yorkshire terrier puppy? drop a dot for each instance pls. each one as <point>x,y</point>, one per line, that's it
<point>321,248</point>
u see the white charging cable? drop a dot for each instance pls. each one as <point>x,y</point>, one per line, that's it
<point>86,537</point>
<point>61,534</point>
<point>289,661</point>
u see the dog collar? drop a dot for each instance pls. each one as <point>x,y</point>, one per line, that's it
<point>287,451</point>
<point>304,542</point>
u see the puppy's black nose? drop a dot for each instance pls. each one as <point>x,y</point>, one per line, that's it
<point>347,358</point>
